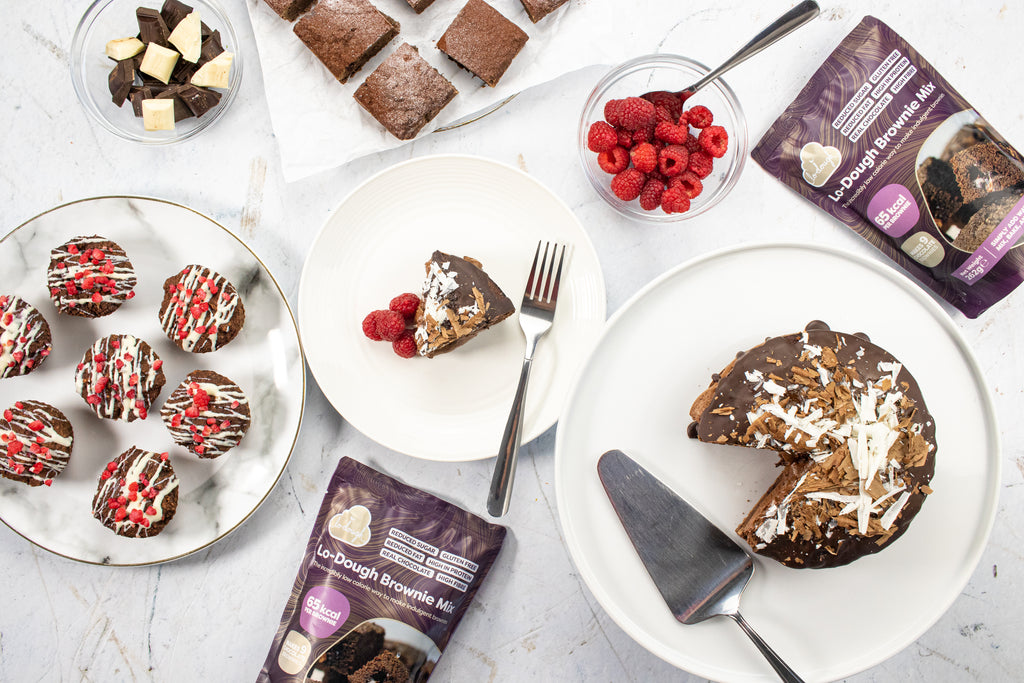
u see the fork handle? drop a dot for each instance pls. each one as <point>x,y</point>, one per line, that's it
<point>508,455</point>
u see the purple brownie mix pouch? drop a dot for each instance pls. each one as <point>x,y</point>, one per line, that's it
<point>389,572</point>
<point>880,140</point>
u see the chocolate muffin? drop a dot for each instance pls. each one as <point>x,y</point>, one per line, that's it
<point>384,668</point>
<point>201,311</point>
<point>90,277</point>
<point>137,494</point>
<point>25,340</point>
<point>482,41</point>
<point>208,414</point>
<point>855,438</point>
<point>405,93</point>
<point>35,442</point>
<point>120,377</point>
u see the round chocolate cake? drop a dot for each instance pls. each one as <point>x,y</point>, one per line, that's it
<point>35,442</point>
<point>120,377</point>
<point>207,414</point>
<point>201,310</point>
<point>137,494</point>
<point>856,441</point>
<point>25,340</point>
<point>90,277</point>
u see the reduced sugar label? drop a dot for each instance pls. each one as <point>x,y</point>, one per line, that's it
<point>893,210</point>
<point>324,610</point>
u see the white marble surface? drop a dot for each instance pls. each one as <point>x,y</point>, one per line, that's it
<point>211,616</point>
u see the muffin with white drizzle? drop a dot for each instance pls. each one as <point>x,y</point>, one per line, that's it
<point>208,414</point>
<point>137,494</point>
<point>90,277</point>
<point>120,377</point>
<point>201,311</point>
<point>855,438</point>
<point>35,442</point>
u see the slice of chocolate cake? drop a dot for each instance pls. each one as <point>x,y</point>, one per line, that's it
<point>345,34</point>
<point>856,440</point>
<point>405,93</point>
<point>460,301</point>
<point>482,41</point>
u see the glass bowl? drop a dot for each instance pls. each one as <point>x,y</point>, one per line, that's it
<point>673,73</point>
<point>106,20</point>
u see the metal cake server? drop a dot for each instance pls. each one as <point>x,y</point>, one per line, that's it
<point>699,571</point>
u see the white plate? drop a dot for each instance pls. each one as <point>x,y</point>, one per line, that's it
<point>265,360</point>
<point>452,407</point>
<point>635,391</point>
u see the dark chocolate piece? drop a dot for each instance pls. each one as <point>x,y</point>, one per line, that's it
<point>181,110</point>
<point>404,93</point>
<point>211,48</point>
<point>345,34</point>
<point>137,95</point>
<point>289,10</point>
<point>120,80</point>
<point>198,100</point>
<point>183,71</point>
<point>173,12</point>
<point>481,40</point>
<point>152,28</point>
<point>419,5</point>
<point>538,9</point>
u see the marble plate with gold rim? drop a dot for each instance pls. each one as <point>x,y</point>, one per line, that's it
<point>265,360</point>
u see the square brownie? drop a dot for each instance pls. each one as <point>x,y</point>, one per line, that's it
<point>345,34</point>
<point>419,5</point>
<point>482,41</point>
<point>405,93</point>
<point>289,9</point>
<point>538,9</point>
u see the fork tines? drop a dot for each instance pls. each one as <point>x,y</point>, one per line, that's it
<point>542,285</point>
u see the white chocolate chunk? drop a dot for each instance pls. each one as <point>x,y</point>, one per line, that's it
<point>187,37</point>
<point>158,62</point>
<point>123,48</point>
<point>215,73</point>
<point>158,114</point>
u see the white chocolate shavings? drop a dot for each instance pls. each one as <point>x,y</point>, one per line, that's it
<point>774,523</point>
<point>440,283</point>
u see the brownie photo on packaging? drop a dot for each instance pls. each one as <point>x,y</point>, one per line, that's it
<point>388,573</point>
<point>881,141</point>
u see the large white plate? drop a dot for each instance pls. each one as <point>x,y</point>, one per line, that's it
<point>634,394</point>
<point>452,407</point>
<point>265,360</point>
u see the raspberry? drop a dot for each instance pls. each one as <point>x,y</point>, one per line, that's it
<point>390,325</point>
<point>613,112</point>
<point>627,185</point>
<point>406,304</point>
<point>370,326</point>
<point>699,116</point>
<point>671,133</point>
<point>690,183</point>
<point>643,135</point>
<point>684,120</point>
<point>674,200</point>
<point>714,140</point>
<point>662,115</point>
<point>650,196</point>
<point>666,100</point>
<point>644,157</point>
<point>673,160</point>
<point>637,113</point>
<point>405,345</point>
<point>615,161</point>
<point>625,137</point>
<point>691,143</point>
<point>601,137</point>
<point>700,163</point>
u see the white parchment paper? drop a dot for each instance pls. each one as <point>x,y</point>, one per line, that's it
<point>319,125</point>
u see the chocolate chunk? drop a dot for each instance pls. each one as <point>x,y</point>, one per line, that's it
<point>198,100</point>
<point>183,71</point>
<point>120,80</point>
<point>173,12</point>
<point>152,28</point>
<point>211,47</point>
<point>181,110</point>
<point>137,95</point>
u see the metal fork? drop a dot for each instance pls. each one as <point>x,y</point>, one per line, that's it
<point>535,316</point>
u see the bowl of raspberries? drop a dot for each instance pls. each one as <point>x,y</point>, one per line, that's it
<point>656,156</point>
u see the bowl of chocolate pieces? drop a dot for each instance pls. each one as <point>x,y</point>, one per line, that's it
<point>155,74</point>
